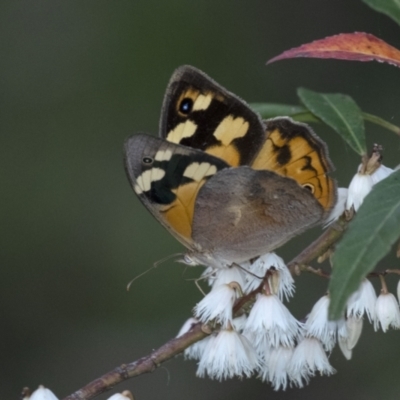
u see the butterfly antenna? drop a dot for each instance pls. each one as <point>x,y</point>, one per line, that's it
<point>154,266</point>
<point>199,287</point>
<point>202,277</point>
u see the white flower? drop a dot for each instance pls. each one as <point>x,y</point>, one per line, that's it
<point>187,326</point>
<point>275,369</point>
<point>387,312</point>
<point>359,187</point>
<point>308,358</point>
<point>239,323</point>
<point>41,393</point>
<point>257,273</point>
<point>281,281</point>
<point>225,276</point>
<point>318,325</point>
<point>217,305</point>
<point>227,355</point>
<point>344,348</point>
<point>209,275</point>
<point>339,207</point>
<point>363,301</point>
<point>126,395</point>
<point>271,319</point>
<point>348,335</point>
<point>380,173</point>
<point>196,350</point>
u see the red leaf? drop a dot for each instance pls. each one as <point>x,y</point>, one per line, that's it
<point>358,46</point>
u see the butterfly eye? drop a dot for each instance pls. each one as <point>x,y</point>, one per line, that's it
<point>309,187</point>
<point>186,105</point>
<point>147,160</point>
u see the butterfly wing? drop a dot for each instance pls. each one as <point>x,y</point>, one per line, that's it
<point>241,213</point>
<point>199,113</point>
<point>293,150</point>
<point>167,177</point>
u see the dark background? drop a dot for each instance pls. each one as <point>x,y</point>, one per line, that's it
<point>77,77</point>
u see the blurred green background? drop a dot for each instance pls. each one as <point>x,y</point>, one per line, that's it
<point>77,77</point>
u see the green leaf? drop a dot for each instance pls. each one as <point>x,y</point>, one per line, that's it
<point>340,112</point>
<point>370,236</point>
<point>271,110</point>
<point>389,7</point>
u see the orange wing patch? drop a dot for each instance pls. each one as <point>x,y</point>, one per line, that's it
<point>300,156</point>
<point>179,213</point>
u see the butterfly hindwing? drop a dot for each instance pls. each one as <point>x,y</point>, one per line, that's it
<point>293,150</point>
<point>242,213</point>
<point>167,177</point>
<point>199,113</point>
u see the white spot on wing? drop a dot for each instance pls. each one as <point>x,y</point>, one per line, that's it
<point>197,171</point>
<point>143,182</point>
<point>157,174</point>
<point>137,189</point>
<point>182,130</point>
<point>202,102</point>
<point>163,155</point>
<point>231,128</point>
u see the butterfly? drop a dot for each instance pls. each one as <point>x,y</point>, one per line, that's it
<point>228,185</point>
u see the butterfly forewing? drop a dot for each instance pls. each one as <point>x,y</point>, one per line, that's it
<point>199,113</point>
<point>167,178</point>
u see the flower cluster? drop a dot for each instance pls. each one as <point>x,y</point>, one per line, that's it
<point>266,340</point>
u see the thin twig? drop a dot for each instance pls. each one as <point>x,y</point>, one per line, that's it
<point>319,246</point>
<point>144,365</point>
<point>379,121</point>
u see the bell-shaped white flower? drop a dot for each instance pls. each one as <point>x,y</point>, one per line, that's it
<point>42,393</point>
<point>187,326</point>
<point>195,351</point>
<point>387,312</point>
<point>225,276</point>
<point>348,334</point>
<point>308,358</point>
<point>217,305</point>
<point>257,271</point>
<point>226,355</point>
<point>239,323</point>
<point>275,368</point>
<point>340,206</point>
<point>380,173</point>
<point>269,319</point>
<point>363,301</point>
<point>359,188</point>
<point>319,326</point>
<point>125,395</point>
<point>209,275</point>
<point>281,281</point>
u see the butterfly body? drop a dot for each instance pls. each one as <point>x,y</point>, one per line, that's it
<point>227,185</point>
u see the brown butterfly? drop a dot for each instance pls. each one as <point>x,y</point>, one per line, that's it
<point>226,184</point>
